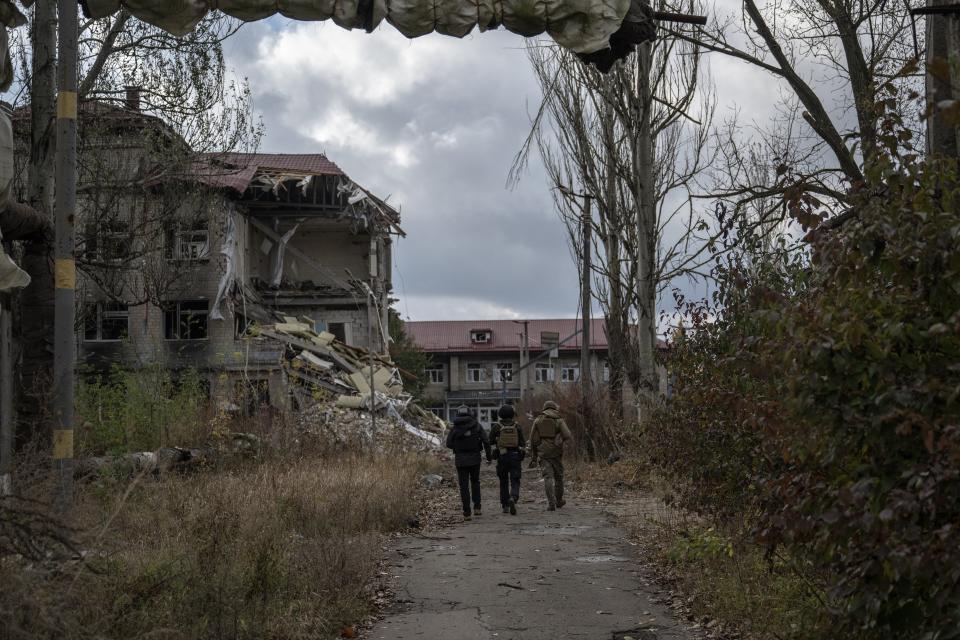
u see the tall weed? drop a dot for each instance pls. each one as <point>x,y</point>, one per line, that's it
<point>280,550</point>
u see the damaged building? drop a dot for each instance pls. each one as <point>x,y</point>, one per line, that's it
<point>179,253</point>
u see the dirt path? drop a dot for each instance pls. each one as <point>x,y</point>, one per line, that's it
<point>536,575</point>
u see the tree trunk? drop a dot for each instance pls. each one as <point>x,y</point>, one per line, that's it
<point>943,82</point>
<point>36,300</point>
<point>646,241</point>
<point>615,321</point>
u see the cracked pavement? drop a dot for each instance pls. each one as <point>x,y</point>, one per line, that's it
<point>537,575</point>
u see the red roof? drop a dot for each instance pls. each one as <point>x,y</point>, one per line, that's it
<point>237,170</point>
<point>454,335</point>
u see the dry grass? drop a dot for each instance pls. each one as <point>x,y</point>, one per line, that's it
<point>282,549</point>
<point>714,575</point>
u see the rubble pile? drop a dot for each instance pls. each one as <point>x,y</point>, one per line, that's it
<point>336,386</point>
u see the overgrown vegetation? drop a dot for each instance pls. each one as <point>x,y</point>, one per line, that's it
<point>816,408</point>
<point>140,410</point>
<point>278,550</point>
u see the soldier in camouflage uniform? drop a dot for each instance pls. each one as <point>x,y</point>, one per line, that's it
<point>547,437</point>
<point>506,439</point>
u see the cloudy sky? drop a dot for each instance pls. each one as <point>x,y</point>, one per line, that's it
<point>433,123</point>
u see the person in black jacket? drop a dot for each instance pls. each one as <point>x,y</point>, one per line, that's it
<point>468,440</point>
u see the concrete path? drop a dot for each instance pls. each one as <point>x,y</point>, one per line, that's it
<point>537,575</point>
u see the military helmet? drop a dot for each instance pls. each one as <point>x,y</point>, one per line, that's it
<point>506,412</point>
<point>550,404</point>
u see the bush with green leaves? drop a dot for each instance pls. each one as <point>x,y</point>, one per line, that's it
<point>819,395</point>
<point>139,410</point>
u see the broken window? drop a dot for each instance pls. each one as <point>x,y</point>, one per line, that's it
<point>436,374</point>
<point>338,329</point>
<point>476,372</point>
<point>504,372</point>
<point>107,241</point>
<point>186,320</point>
<point>106,322</point>
<point>570,372</point>
<point>188,241</point>
<point>481,336</point>
<point>544,372</point>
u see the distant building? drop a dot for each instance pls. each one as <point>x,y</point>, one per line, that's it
<point>479,363</point>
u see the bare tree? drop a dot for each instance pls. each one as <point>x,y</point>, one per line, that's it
<point>836,61</point>
<point>185,103</point>
<point>587,133</point>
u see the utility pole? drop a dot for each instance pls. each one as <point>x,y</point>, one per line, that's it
<point>522,373</point>
<point>371,318</point>
<point>647,233</point>
<point>6,396</point>
<point>65,272</point>
<point>586,297</point>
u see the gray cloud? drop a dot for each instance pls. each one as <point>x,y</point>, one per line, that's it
<point>434,123</point>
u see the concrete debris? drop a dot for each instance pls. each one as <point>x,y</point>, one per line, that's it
<point>168,459</point>
<point>339,426</point>
<point>336,386</point>
<point>431,480</point>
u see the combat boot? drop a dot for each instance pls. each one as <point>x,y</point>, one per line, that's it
<point>513,508</point>
<point>506,509</point>
<point>477,512</point>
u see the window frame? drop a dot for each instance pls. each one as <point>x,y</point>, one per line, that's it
<point>177,245</point>
<point>475,336</point>
<point>476,367</point>
<point>440,369</point>
<point>500,369</point>
<point>570,366</point>
<point>174,309</point>
<point>101,312</point>
<point>113,233</point>
<point>550,371</point>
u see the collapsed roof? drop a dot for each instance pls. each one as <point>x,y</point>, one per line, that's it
<point>298,181</point>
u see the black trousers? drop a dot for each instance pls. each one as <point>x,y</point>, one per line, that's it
<point>509,468</point>
<point>469,480</point>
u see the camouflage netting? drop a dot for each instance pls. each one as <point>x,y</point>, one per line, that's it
<point>583,26</point>
<point>601,31</point>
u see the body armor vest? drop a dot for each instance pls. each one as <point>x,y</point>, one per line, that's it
<point>548,428</point>
<point>509,438</point>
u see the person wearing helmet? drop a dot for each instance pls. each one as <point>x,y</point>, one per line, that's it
<point>547,437</point>
<point>506,439</point>
<point>468,441</point>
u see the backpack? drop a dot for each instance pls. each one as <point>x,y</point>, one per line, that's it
<point>509,437</point>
